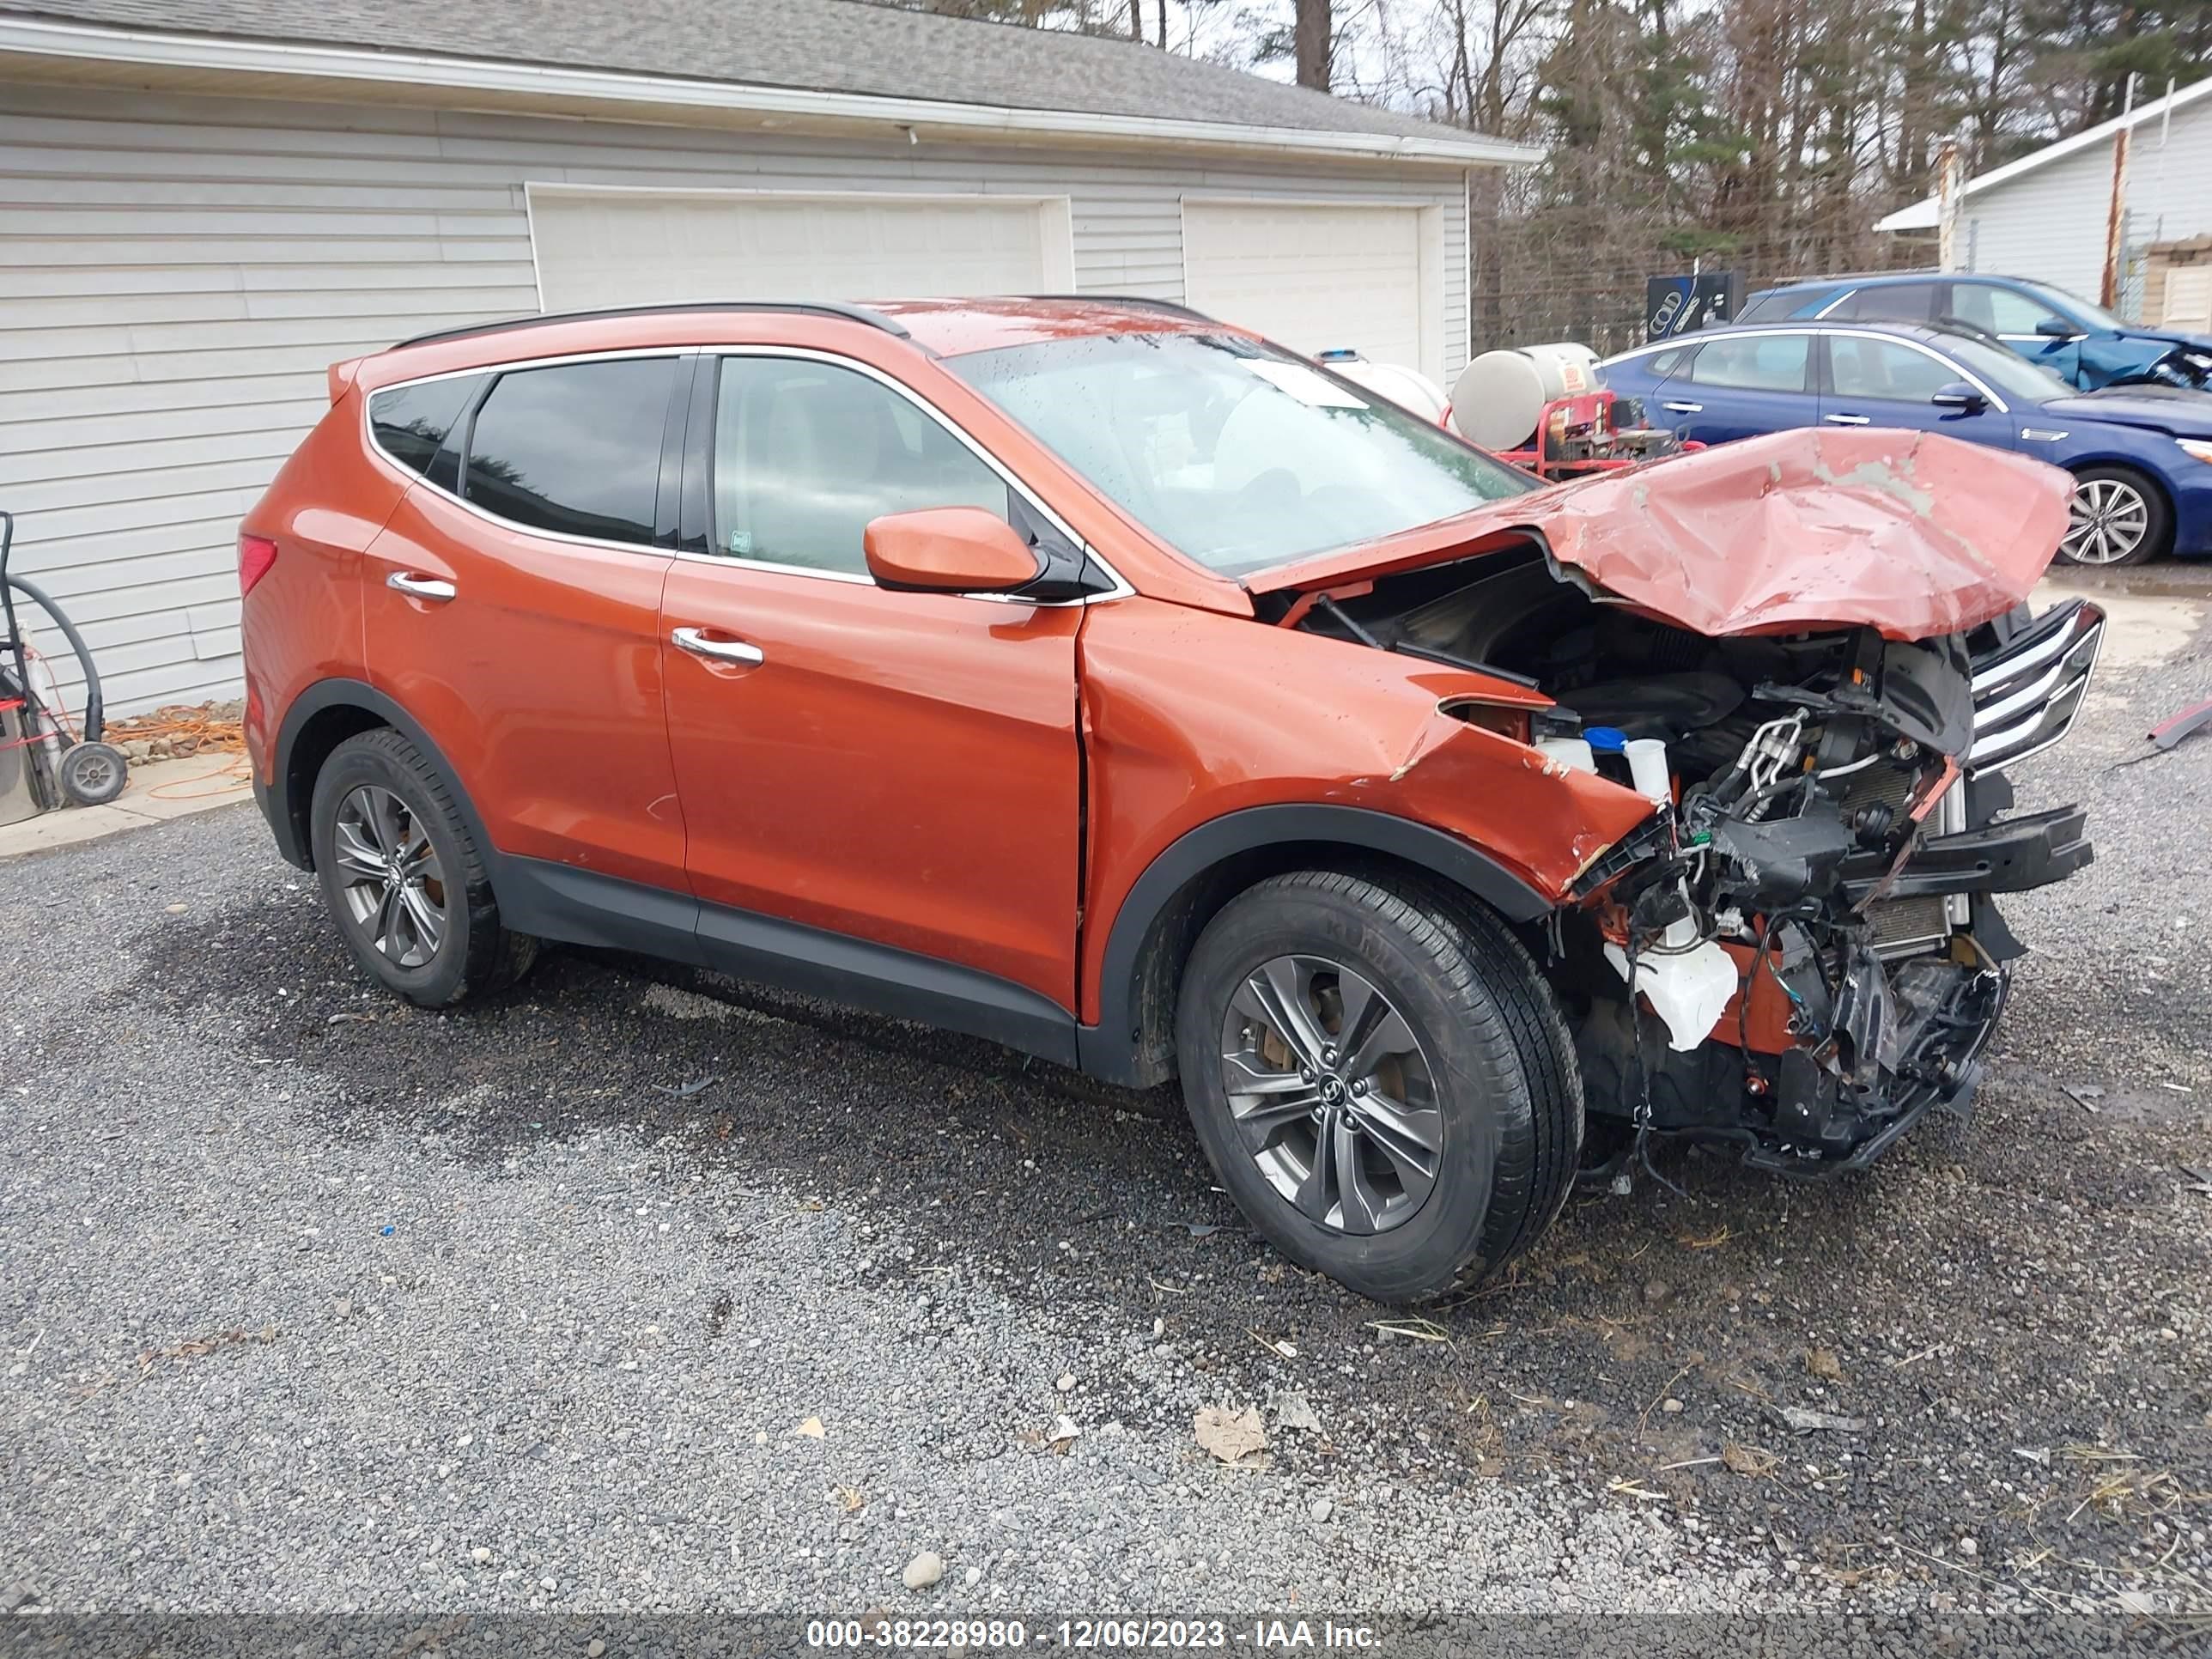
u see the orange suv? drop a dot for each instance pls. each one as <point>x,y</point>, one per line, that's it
<point>1099,679</point>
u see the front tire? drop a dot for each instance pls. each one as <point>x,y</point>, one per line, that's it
<point>2120,517</point>
<point>1380,1078</point>
<point>402,876</point>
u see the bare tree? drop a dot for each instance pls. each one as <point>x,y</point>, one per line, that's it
<point>1315,27</point>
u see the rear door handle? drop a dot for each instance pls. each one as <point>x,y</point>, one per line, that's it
<point>1849,420</point>
<point>694,641</point>
<point>1685,409</point>
<point>421,587</point>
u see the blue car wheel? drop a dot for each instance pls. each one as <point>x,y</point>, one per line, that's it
<point>2120,517</point>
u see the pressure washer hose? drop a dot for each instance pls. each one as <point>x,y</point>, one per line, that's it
<point>93,707</point>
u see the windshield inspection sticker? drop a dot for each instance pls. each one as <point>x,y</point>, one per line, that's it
<point>1315,390</point>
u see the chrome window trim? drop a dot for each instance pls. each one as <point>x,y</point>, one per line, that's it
<point>1925,350</point>
<point>407,475</point>
<point>1829,330</point>
<point>1703,336</point>
<point>1120,588</point>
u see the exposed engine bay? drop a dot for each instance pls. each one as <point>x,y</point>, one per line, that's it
<point>1807,917</point>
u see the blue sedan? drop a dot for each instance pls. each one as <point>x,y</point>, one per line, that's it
<point>2141,456</point>
<point>2084,346</point>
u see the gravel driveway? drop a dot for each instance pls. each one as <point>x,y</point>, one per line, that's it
<point>616,1295</point>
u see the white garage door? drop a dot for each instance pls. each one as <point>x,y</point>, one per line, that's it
<point>1317,278</point>
<point>645,247</point>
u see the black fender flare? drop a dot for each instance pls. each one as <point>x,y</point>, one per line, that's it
<point>287,818</point>
<point>1110,1049</point>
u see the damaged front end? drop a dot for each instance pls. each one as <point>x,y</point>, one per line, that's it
<point>1812,930</point>
<point>1808,916</point>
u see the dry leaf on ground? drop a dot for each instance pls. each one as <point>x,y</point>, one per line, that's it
<point>1749,1460</point>
<point>1237,1438</point>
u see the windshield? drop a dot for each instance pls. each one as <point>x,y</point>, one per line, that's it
<point>2016,379</point>
<point>2074,306</point>
<point>1236,454</point>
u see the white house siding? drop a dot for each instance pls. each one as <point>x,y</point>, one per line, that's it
<point>2050,223</point>
<point>176,273</point>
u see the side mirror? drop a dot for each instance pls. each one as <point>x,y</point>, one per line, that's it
<point>1959,396</point>
<point>948,550</point>
<point>2057,328</point>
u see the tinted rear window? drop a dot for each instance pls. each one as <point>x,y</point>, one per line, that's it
<point>1896,302</point>
<point>575,449</point>
<point>411,422</point>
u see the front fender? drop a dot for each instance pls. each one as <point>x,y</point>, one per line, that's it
<point>1207,736</point>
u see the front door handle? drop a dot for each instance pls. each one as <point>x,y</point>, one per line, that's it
<point>694,641</point>
<point>1849,420</point>
<point>1685,409</point>
<point>421,587</point>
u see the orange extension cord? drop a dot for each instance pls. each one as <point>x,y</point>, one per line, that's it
<point>182,724</point>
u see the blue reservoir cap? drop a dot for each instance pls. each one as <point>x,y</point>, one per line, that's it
<point>1605,740</point>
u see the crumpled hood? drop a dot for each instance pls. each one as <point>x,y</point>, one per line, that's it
<point>1910,533</point>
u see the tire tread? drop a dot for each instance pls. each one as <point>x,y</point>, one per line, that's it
<point>496,957</point>
<point>1484,971</point>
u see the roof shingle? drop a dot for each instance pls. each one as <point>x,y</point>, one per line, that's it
<point>824,45</point>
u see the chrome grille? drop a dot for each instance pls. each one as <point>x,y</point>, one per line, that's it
<point>2028,691</point>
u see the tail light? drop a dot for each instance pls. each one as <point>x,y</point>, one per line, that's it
<point>257,554</point>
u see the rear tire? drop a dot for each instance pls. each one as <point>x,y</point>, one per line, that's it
<point>402,879</point>
<point>1404,1179</point>
<point>2120,517</point>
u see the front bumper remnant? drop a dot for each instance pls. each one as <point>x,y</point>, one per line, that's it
<point>1936,1024</point>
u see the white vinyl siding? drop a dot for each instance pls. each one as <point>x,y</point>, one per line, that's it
<point>178,272</point>
<point>2049,223</point>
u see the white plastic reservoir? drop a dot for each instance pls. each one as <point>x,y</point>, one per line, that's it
<point>1498,397</point>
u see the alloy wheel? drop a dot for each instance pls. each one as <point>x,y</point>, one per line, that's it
<point>393,886</point>
<point>2109,520</point>
<point>1331,1094</point>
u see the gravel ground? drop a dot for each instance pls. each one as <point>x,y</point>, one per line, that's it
<point>615,1296</point>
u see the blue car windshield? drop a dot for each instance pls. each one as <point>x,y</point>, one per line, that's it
<point>2014,379</point>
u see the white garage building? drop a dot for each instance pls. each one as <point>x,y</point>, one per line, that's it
<point>2047,215</point>
<point>206,202</point>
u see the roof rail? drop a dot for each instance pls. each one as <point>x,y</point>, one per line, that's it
<point>810,307</point>
<point>1862,275</point>
<point>1135,301</point>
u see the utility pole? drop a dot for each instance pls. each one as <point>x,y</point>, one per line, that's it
<point>1946,205</point>
<point>2116,212</point>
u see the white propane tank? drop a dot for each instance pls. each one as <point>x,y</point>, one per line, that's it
<point>1497,398</point>
<point>1407,388</point>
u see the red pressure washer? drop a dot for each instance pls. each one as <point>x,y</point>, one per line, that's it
<point>1580,434</point>
<point>64,765</point>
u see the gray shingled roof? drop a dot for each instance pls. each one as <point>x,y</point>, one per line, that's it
<point>824,45</point>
